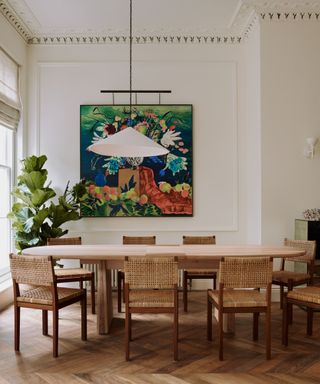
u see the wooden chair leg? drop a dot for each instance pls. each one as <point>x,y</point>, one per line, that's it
<point>309,321</point>
<point>130,327</point>
<point>255,326</point>
<point>127,335</point>
<point>281,296</point>
<point>93,296</point>
<point>119,279</point>
<point>122,279</point>
<point>220,320</point>
<point>55,331</point>
<point>285,322</point>
<point>185,291</point>
<point>290,288</point>
<point>17,328</point>
<point>268,334</point>
<point>175,334</point>
<point>45,323</point>
<point>81,284</point>
<point>84,318</point>
<point>215,282</point>
<point>209,319</point>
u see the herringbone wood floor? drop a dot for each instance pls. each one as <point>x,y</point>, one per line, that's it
<point>101,358</point>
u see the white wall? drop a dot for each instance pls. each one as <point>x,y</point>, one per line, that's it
<point>211,77</point>
<point>290,83</point>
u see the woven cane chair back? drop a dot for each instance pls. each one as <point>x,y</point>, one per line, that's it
<point>308,245</point>
<point>245,272</point>
<point>64,241</point>
<point>151,273</point>
<point>139,240</point>
<point>199,240</point>
<point>32,270</point>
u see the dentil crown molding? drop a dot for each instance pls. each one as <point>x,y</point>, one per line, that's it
<point>247,14</point>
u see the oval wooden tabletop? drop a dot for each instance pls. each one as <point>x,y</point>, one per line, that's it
<point>119,251</point>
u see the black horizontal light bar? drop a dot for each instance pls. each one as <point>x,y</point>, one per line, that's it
<point>135,91</point>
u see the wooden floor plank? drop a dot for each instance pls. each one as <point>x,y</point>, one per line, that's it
<point>101,359</point>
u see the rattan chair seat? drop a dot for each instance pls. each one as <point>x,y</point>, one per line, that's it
<point>43,295</point>
<point>154,298</point>
<point>71,273</point>
<point>308,294</point>
<point>285,276</point>
<point>240,298</point>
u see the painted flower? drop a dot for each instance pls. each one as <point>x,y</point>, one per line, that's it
<point>142,127</point>
<point>163,125</point>
<point>112,165</point>
<point>176,164</point>
<point>109,129</point>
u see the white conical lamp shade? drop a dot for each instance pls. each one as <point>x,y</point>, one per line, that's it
<point>128,143</point>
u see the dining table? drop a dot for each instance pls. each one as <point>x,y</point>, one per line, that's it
<point>112,256</point>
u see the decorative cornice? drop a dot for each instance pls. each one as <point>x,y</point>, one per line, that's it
<point>15,21</point>
<point>136,39</point>
<point>289,16</point>
<point>247,15</point>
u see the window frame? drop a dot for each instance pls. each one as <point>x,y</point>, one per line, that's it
<point>11,168</point>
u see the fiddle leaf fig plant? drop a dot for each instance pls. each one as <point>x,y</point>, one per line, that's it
<point>35,216</point>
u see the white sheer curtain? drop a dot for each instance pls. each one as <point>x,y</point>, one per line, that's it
<point>10,104</point>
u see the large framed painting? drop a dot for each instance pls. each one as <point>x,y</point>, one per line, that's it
<point>138,187</point>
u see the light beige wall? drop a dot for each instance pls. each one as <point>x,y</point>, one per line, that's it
<point>290,83</point>
<point>211,77</point>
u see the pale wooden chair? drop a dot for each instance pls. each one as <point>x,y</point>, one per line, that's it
<point>307,298</point>
<point>151,286</point>
<point>290,279</point>
<point>236,275</point>
<point>190,274</point>
<point>42,293</point>
<point>67,275</point>
<point>131,240</point>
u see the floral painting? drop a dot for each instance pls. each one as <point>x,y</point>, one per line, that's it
<point>149,186</point>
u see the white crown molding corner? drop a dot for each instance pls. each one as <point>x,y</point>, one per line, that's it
<point>15,20</point>
<point>242,22</point>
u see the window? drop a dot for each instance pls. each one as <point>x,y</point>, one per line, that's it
<point>9,119</point>
<point>6,173</point>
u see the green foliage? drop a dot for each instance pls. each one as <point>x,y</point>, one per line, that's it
<point>35,217</point>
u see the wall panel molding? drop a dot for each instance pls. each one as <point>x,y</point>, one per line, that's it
<point>47,75</point>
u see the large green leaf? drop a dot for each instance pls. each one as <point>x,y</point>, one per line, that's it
<point>34,223</point>
<point>41,196</point>
<point>22,214</point>
<point>59,215</point>
<point>25,197</point>
<point>34,180</point>
<point>34,163</point>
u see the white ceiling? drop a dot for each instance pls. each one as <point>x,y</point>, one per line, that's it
<point>97,18</point>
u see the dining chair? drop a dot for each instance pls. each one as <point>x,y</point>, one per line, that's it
<point>290,279</point>
<point>67,275</point>
<point>131,240</point>
<point>151,286</point>
<point>190,274</point>
<point>307,298</point>
<point>36,272</point>
<point>236,275</point>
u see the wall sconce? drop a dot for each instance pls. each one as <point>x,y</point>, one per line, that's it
<point>310,145</point>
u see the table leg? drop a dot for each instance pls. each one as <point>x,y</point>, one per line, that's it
<point>104,302</point>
